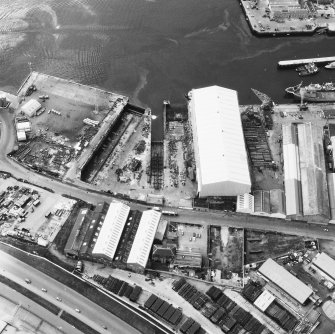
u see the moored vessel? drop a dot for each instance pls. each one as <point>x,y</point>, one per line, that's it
<point>331,66</point>
<point>313,92</point>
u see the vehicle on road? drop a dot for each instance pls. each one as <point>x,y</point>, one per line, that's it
<point>104,326</point>
<point>77,310</point>
<point>27,280</point>
<point>326,229</point>
<point>44,290</point>
<point>59,299</point>
<point>79,266</point>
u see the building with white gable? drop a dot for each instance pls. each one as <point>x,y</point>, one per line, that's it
<point>219,147</point>
<point>140,250</point>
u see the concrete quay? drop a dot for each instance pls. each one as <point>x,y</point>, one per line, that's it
<point>263,22</point>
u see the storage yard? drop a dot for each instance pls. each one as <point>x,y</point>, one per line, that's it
<point>260,246</point>
<point>226,249</point>
<point>123,160</point>
<point>78,132</point>
<point>179,164</point>
<point>30,213</point>
<point>292,298</point>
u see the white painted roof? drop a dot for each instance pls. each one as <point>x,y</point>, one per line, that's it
<point>144,238</point>
<point>21,135</point>
<point>325,263</point>
<point>264,300</point>
<point>31,107</point>
<point>218,140</point>
<point>285,280</point>
<point>111,229</point>
<point>23,126</point>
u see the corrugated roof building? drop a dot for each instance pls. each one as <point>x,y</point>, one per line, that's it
<point>219,147</point>
<point>188,259</point>
<point>77,234</point>
<point>331,193</point>
<point>326,265</point>
<point>278,275</point>
<point>111,230</point>
<point>291,170</point>
<point>312,170</point>
<point>140,250</point>
<point>245,203</point>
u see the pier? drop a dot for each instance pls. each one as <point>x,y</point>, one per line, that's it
<point>296,62</point>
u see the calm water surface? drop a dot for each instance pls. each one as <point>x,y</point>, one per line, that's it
<point>149,50</point>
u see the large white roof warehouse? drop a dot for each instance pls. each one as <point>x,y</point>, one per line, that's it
<point>219,148</point>
<point>285,280</point>
<point>111,230</point>
<point>145,234</point>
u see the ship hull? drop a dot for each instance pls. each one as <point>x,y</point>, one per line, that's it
<point>318,97</point>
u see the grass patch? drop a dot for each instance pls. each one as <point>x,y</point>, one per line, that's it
<point>77,323</point>
<point>31,295</point>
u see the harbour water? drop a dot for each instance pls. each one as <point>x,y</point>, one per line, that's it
<point>150,50</point>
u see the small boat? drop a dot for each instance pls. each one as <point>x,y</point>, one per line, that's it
<point>307,69</point>
<point>330,66</point>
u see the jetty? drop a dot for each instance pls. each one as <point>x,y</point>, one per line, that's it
<point>296,62</point>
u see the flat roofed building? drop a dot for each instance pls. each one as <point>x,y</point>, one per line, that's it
<point>24,126</point>
<point>326,264</point>
<point>219,147</point>
<point>140,250</point>
<point>21,135</point>
<point>264,300</point>
<point>277,274</point>
<point>111,230</point>
<point>31,107</point>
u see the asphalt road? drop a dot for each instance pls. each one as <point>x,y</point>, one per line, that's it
<point>34,308</point>
<point>7,142</point>
<point>90,313</point>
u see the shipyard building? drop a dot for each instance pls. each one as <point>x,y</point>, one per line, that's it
<point>111,230</point>
<point>145,235</point>
<point>114,234</point>
<point>304,169</point>
<point>219,148</point>
<point>279,276</point>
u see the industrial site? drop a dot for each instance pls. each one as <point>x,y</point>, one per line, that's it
<point>271,17</point>
<point>200,219</point>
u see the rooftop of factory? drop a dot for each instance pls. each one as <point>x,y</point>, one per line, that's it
<point>285,280</point>
<point>219,147</point>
